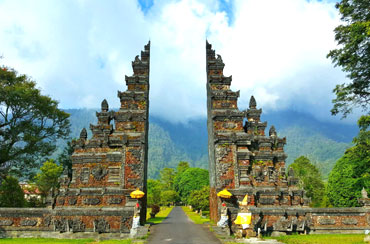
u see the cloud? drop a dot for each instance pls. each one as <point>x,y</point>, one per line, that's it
<point>79,51</point>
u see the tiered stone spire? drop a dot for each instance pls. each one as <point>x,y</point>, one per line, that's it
<point>241,157</point>
<point>113,162</point>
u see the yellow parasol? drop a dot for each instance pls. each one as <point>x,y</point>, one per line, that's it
<point>137,194</point>
<point>224,193</point>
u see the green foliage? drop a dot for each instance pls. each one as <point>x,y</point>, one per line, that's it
<point>199,199</point>
<point>30,124</point>
<point>167,176</point>
<point>65,159</point>
<point>159,217</point>
<point>352,171</point>
<point>168,197</point>
<point>11,193</point>
<point>154,192</point>
<point>47,179</point>
<point>192,179</point>
<point>182,167</point>
<point>310,180</point>
<point>353,38</point>
<point>195,217</point>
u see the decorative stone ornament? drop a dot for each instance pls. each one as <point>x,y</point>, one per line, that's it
<point>99,172</point>
<point>104,106</point>
<point>272,131</point>
<point>252,102</point>
<point>83,134</point>
<point>101,226</point>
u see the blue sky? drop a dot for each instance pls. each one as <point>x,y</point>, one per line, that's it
<point>79,51</point>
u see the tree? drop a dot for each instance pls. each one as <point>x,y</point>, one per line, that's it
<point>181,168</point>
<point>199,199</point>
<point>352,171</point>
<point>65,159</point>
<point>353,55</point>
<point>154,192</point>
<point>168,197</point>
<point>167,176</point>
<point>30,123</point>
<point>310,180</point>
<point>11,193</point>
<point>48,178</point>
<point>192,179</point>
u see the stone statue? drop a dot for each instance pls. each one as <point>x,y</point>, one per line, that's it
<point>224,220</point>
<point>364,193</point>
<point>136,219</point>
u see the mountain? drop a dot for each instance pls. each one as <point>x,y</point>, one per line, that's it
<point>169,143</point>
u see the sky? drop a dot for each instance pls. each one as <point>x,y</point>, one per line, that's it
<point>79,51</point>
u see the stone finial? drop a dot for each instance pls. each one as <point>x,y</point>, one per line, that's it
<point>252,102</point>
<point>272,131</point>
<point>83,134</point>
<point>137,59</point>
<point>219,58</point>
<point>104,106</point>
<point>364,193</point>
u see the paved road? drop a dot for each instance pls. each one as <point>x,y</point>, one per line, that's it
<point>177,228</point>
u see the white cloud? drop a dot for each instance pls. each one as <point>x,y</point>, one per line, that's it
<point>79,51</point>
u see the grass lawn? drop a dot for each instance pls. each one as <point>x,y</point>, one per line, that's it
<point>60,241</point>
<point>159,217</point>
<point>322,239</point>
<point>196,218</point>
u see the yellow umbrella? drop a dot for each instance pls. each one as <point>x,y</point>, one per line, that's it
<point>224,193</point>
<point>137,194</point>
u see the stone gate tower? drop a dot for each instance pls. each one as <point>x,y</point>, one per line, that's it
<point>110,165</point>
<point>241,157</point>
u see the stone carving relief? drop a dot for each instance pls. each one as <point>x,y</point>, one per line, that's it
<point>101,226</point>
<point>222,152</point>
<point>267,200</point>
<point>126,224</point>
<point>47,221</point>
<point>350,221</point>
<point>99,172</point>
<point>258,173</point>
<point>6,222</point>
<point>283,224</point>
<point>114,200</point>
<point>272,174</point>
<point>60,201</point>
<point>72,201</point>
<point>28,222</point>
<point>91,201</point>
<point>76,225</point>
<point>60,225</point>
<point>326,221</point>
